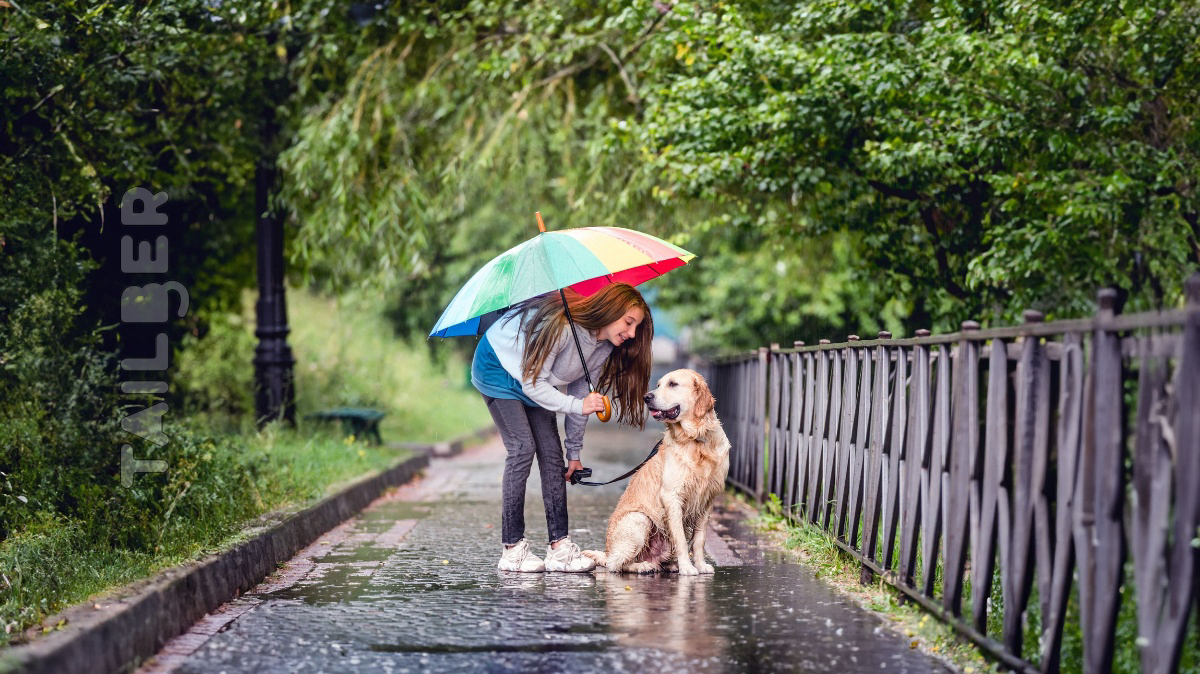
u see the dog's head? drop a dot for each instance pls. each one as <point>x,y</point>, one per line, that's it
<point>682,395</point>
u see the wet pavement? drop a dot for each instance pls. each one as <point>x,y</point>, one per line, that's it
<point>411,585</point>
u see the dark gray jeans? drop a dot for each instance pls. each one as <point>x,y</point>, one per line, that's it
<point>529,431</point>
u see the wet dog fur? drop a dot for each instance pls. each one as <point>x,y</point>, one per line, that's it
<point>663,514</point>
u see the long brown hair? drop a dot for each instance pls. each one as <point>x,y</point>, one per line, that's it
<point>626,373</point>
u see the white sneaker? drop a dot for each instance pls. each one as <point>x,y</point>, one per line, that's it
<point>566,557</point>
<point>519,558</point>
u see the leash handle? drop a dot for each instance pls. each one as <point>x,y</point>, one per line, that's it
<point>606,413</point>
<point>618,479</point>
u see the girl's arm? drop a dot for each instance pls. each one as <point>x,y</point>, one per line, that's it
<point>547,396</point>
<point>574,424</point>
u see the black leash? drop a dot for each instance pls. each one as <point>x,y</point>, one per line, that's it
<point>571,321</point>
<point>577,476</point>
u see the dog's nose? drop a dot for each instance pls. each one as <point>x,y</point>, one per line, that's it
<point>648,397</point>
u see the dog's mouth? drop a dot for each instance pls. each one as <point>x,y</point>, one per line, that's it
<point>668,414</point>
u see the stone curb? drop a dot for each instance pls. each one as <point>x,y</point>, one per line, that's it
<point>135,624</point>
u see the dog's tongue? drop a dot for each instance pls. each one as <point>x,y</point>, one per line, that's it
<point>657,414</point>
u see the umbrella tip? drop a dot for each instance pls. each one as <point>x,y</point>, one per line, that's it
<point>541,225</point>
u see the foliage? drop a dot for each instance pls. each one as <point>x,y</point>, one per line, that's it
<point>193,98</point>
<point>448,138</point>
<point>214,485</point>
<point>212,374</point>
<point>185,97</point>
<point>961,160</point>
<point>1018,158</point>
<point>57,394</point>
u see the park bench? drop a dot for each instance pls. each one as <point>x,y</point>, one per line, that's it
<point>361,422</point>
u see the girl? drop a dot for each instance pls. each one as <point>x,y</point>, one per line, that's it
<point>518,364</point>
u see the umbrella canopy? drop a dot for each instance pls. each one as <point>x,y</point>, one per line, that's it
<point>584,259</point>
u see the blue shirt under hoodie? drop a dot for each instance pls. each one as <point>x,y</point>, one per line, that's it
<point>496,372</point>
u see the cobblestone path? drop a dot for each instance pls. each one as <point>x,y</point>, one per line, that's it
<point>411,585</point>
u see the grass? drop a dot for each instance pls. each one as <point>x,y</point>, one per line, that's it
<point>59,562</point>
<point>815,548</point>
<point>224,474</point>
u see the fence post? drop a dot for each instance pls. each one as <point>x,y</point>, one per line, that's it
<point>845,452</point>
<point>1028,475</point>
<point>1182,555</point>
<point>874,460</point>
<point>964,424</point>
<point>818,447</point>
<point>894,469</point>
<point>916,468</point>
<point>795,433</point>
<point>772,419</point>
<point>859,457</point>
<point>760,420</point>
<point>1098,536</point>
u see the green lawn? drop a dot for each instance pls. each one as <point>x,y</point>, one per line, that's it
<point>816,548</point>
<point>347,355</point>
<point>223,473</point>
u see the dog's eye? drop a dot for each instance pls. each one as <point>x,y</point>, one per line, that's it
<point>672,384</point>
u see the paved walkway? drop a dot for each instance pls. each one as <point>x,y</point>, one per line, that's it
<point>411,586</point>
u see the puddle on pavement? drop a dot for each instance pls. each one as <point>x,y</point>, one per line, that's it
<point>490,648</point>
<point>432,600</point>
<point>770,617</point>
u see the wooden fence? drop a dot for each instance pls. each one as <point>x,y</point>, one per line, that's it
<point>1004,478</point>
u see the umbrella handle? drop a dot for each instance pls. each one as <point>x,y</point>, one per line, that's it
<point>607,413</point>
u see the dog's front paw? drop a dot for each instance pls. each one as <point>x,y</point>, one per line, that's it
<point>705,568</point>
<point>688,570</point>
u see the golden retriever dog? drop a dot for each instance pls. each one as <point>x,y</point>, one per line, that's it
<point>668,502</point>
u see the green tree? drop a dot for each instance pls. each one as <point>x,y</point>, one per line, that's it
<point>987,161</point>
<point>963,160</point>
<point>184,97</point>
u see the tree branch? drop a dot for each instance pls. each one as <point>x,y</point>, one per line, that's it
<point>625,77</point>
<point>890,191</point>
<point>663,11</point>
<point>929,217</point>
<point>1193,220</point>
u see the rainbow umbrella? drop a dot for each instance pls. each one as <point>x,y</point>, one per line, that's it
<point>584,259</point>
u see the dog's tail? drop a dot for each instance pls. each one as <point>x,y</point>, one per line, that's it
<point>598,556</point>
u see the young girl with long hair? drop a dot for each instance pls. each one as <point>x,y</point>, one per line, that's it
<point>518,363</point>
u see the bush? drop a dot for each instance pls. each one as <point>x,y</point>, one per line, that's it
<point>57,398</point>
<point>213,374</point>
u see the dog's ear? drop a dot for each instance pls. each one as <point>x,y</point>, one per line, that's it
<point>703,397</point>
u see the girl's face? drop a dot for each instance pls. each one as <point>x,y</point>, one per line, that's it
<point>625,328</point>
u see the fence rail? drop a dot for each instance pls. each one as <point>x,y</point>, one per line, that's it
<point>1002,478</point>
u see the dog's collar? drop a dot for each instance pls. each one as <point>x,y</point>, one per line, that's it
<point>703,439</point>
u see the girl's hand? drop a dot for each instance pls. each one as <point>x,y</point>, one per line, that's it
<point>594,402</point>
<point>572,466</point>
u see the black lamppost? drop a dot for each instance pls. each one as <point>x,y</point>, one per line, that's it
<point>274,393</point>
<point>274,374</point>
